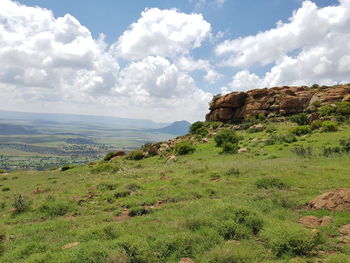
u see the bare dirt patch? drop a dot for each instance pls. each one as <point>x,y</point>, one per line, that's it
<point>338,200</point>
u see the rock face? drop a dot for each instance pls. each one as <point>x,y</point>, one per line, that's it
<point>338,200</point>
<point>277,101</point>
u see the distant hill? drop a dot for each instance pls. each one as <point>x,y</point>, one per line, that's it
<point>176,128</point>
<point>52,118</point>
<point>12,129</point>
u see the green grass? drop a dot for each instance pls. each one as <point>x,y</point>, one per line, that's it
<point>193,207</point>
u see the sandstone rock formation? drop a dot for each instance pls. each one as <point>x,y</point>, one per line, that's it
<point>277,101</point>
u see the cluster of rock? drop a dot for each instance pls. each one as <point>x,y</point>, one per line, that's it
<point>277,101</point>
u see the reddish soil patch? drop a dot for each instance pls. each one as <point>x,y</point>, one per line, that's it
<point>186,260</point>
<point>338,200</point>
<point>312,221</point>
<point>123,216</point>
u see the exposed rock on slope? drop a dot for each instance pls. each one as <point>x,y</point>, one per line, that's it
<point>277,101</point>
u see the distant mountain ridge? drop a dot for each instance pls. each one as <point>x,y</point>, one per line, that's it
<point>176,128</point>
<point>51,118</point>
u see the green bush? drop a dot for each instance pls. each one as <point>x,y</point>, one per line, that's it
<point>55,208</point>
<point>270,182</point>
<point>183,148</point>
<point>196,126</point>
<point>345,144</point>
<point>329,150</point>
<point>250,222</point>
<point>135,155</point>
<point>229,148</point>
<point>202,132</point>
<point>5,189</point>
<point>291,240</point>
<point>2,171</point>
<point>104,168</point>
<point>300,119</point>
<point>315,86</point>
<point>316,104</point>
<point>326,110</point>
<point>301,130</point>
<point>226,135</point>
<point>329,126</point>
<point>343,108</point>
<point>110,155</point>
<point>316,124</point>
<point>280,138</point>
<point>66,167</point>
<point>2,239</point>
<point>230,230</point>
<point>302,151</point>
<point>21,204</point>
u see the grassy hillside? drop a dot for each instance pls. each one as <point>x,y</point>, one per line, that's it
<point>206,205</point>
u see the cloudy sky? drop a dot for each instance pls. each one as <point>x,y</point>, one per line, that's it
<point>164,59</point>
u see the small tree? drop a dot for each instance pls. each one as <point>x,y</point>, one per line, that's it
<point>226,135</point>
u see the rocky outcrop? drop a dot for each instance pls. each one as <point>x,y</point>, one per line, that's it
<point>277,101</point>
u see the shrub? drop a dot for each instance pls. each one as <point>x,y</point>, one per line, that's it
<point>302,151</point>
<point>226,135</point>
<point>300,119</point>
<point>301,130</point>
<point>231,230</point>
<point>345,144</point>
<point>315,86</point>
<point>270,182</point>
<point>329,150</point>
<point>250,222</point>
<point>316,124</point>
<point>6,189</point>
<point>2,171</point>
<point>329,126</point>
<point>183,148</point>
<point>135,155</point>
<point>326,110</point>
<point>66,167</point>
<point>196,126</point>
<point>105,168</point>
<point>21,204</point>
<point>202,132</point>
<point>2,239</point>
<point>110,155</point>
<point>229,148</point>
<point>343,108</point>
<point>291,240</point>
<point>316,104</point>
<point>55,208</point>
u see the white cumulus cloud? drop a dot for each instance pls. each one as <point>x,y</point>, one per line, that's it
<point>164,33</point>
<point>55,65</point>
<point>312,47</point>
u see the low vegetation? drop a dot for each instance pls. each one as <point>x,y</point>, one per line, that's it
<point>220,194</point>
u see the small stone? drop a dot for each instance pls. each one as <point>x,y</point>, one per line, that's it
<point>70,245</point>
<point>243,150</point>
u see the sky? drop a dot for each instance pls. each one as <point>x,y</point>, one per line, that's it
<point>164,59</point>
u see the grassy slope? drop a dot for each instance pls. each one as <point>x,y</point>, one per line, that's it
<point>198,193</point>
